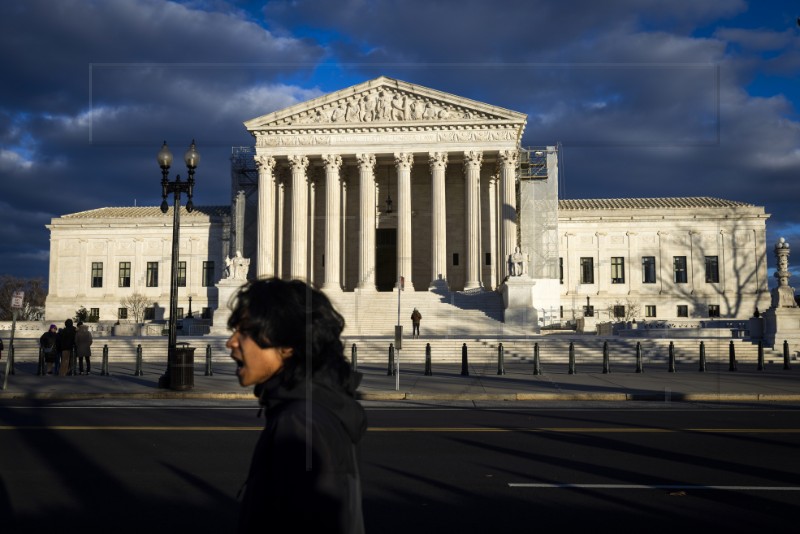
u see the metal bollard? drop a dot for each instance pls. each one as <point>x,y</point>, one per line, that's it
<point>209,370</point>
<point>73,362</point>
<point>639,368</point>
<point>40,366</point>
<point>501,370</point>
<point>354,357</point>
<point>786,366</point>
<point>11,358</point>
<point>428,371</point>
<point>571,358</point>
<point>731,357</point>
<point>390,368</point>
<point>537,370</point>
<point>606,366</point>
<point>702,357</point>
<point>104,367</point>
<point>464,361</point>
<point>138,370</point>
<point>760,366</point>
<point>671,357</point>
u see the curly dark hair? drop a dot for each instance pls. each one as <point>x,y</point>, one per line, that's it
<point>281,313</point>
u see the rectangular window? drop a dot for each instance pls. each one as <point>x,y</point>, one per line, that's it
<point>679,263</point>
<point>561,270</point>
<point>561,312</point>
<point>588,311</point>
<point>455,258</point>
<point>712,269</point>
<point>208,273</point>
<point>587,270</point>
<point>713,310</point>
<point>179,313</point>
<point>617,270</point>
<point>648,269</point>
<point>124,274</point>
<point>181,274</point>
<point>122,313</point>
<point>206,313</point>
<point>683,310</point>
<point>97,274</point>
<point>94,312</point>
<point>619,311</point>
<point>488,258</point>
<point>150,313</point>
<point>649,311</point>
<point>152,274</point>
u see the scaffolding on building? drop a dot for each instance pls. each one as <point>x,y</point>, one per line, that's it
<point>537,201</point>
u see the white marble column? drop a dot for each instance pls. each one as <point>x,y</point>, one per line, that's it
<point>343,271</point>
<point>403,163</point>
<point>279,227</point>
<point>438,163</point>
<point>472,175</point>
<point>265,255</point>
<point>366,250</point>
<point>493,269</point>
<point>298,266</point>
<point>507,161</point>
<point>333,218</point>
<point>312,218</point>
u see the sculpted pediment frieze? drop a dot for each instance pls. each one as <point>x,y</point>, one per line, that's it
<point>384,102</point>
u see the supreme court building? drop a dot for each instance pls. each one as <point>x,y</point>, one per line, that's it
<point>388,183</point>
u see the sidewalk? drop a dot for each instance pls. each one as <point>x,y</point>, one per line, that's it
<point>518,383</point>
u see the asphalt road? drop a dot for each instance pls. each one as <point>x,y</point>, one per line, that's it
<point>176,467</point>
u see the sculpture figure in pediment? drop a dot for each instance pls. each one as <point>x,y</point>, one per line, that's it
<point>398,107</point>
<point>368,107</point>
<point>338,113</point>
<point>382,107</point>
<point>430,111</point>
<point>417,108</point>
<point>352,112</point>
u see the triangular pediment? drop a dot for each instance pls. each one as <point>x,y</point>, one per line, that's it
<point>385,102</point>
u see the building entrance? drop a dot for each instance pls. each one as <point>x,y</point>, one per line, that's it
<point>385,259</point>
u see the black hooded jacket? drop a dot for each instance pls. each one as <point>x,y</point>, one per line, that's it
<point>297,485</point>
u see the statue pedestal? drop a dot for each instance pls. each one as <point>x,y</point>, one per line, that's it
<point>782,324</point>
<point>518,303</point>
<point>226,288</point>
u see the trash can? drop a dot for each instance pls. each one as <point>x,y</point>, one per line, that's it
<point>182,368</point>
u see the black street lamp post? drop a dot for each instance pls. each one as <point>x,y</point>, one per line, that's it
<point>192,158</point>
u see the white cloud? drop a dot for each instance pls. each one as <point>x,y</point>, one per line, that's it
<point>11,160</point>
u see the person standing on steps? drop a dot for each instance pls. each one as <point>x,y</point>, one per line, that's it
<point>66,342</point>
<point>83,343</point>
<point>416,317</point>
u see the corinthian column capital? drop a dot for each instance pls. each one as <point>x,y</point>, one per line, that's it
<point>332,161</point>
<point>403,160</point>
<point>366,161</point>
<point>265,163</point>
<point>298,162</point>
<point>508,157</point>
<point>437,160</point>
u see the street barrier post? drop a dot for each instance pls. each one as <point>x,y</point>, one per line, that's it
<point>537,370</point>
<point>464,361</point>
<point>571,358</point>
<point>671,357</point>
<point>428,370</point>
<point>702,357</point>
<point>606,366</point>
<point>786,366</point>
<point>138,370</point>
<point>501,370</point>
<point>390,368</point>
<point>209,370</point>
<point>760,366</point>
<point>639,368</point>
<point>104,367</point>
<point>73,362</point>
<point>40,365</point>
<point>354,357</point>
<point>731,357</point>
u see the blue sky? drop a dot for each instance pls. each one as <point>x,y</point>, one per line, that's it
<point>647,98</point>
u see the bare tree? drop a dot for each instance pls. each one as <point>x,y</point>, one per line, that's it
<point>35,293</point>
<point>136,304</point>
<point>632,309</point>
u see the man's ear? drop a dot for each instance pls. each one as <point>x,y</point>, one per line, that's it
<point>286,352</point>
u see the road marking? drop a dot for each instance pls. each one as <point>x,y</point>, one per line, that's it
<point>563,430</point>
<point>653,486</point>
